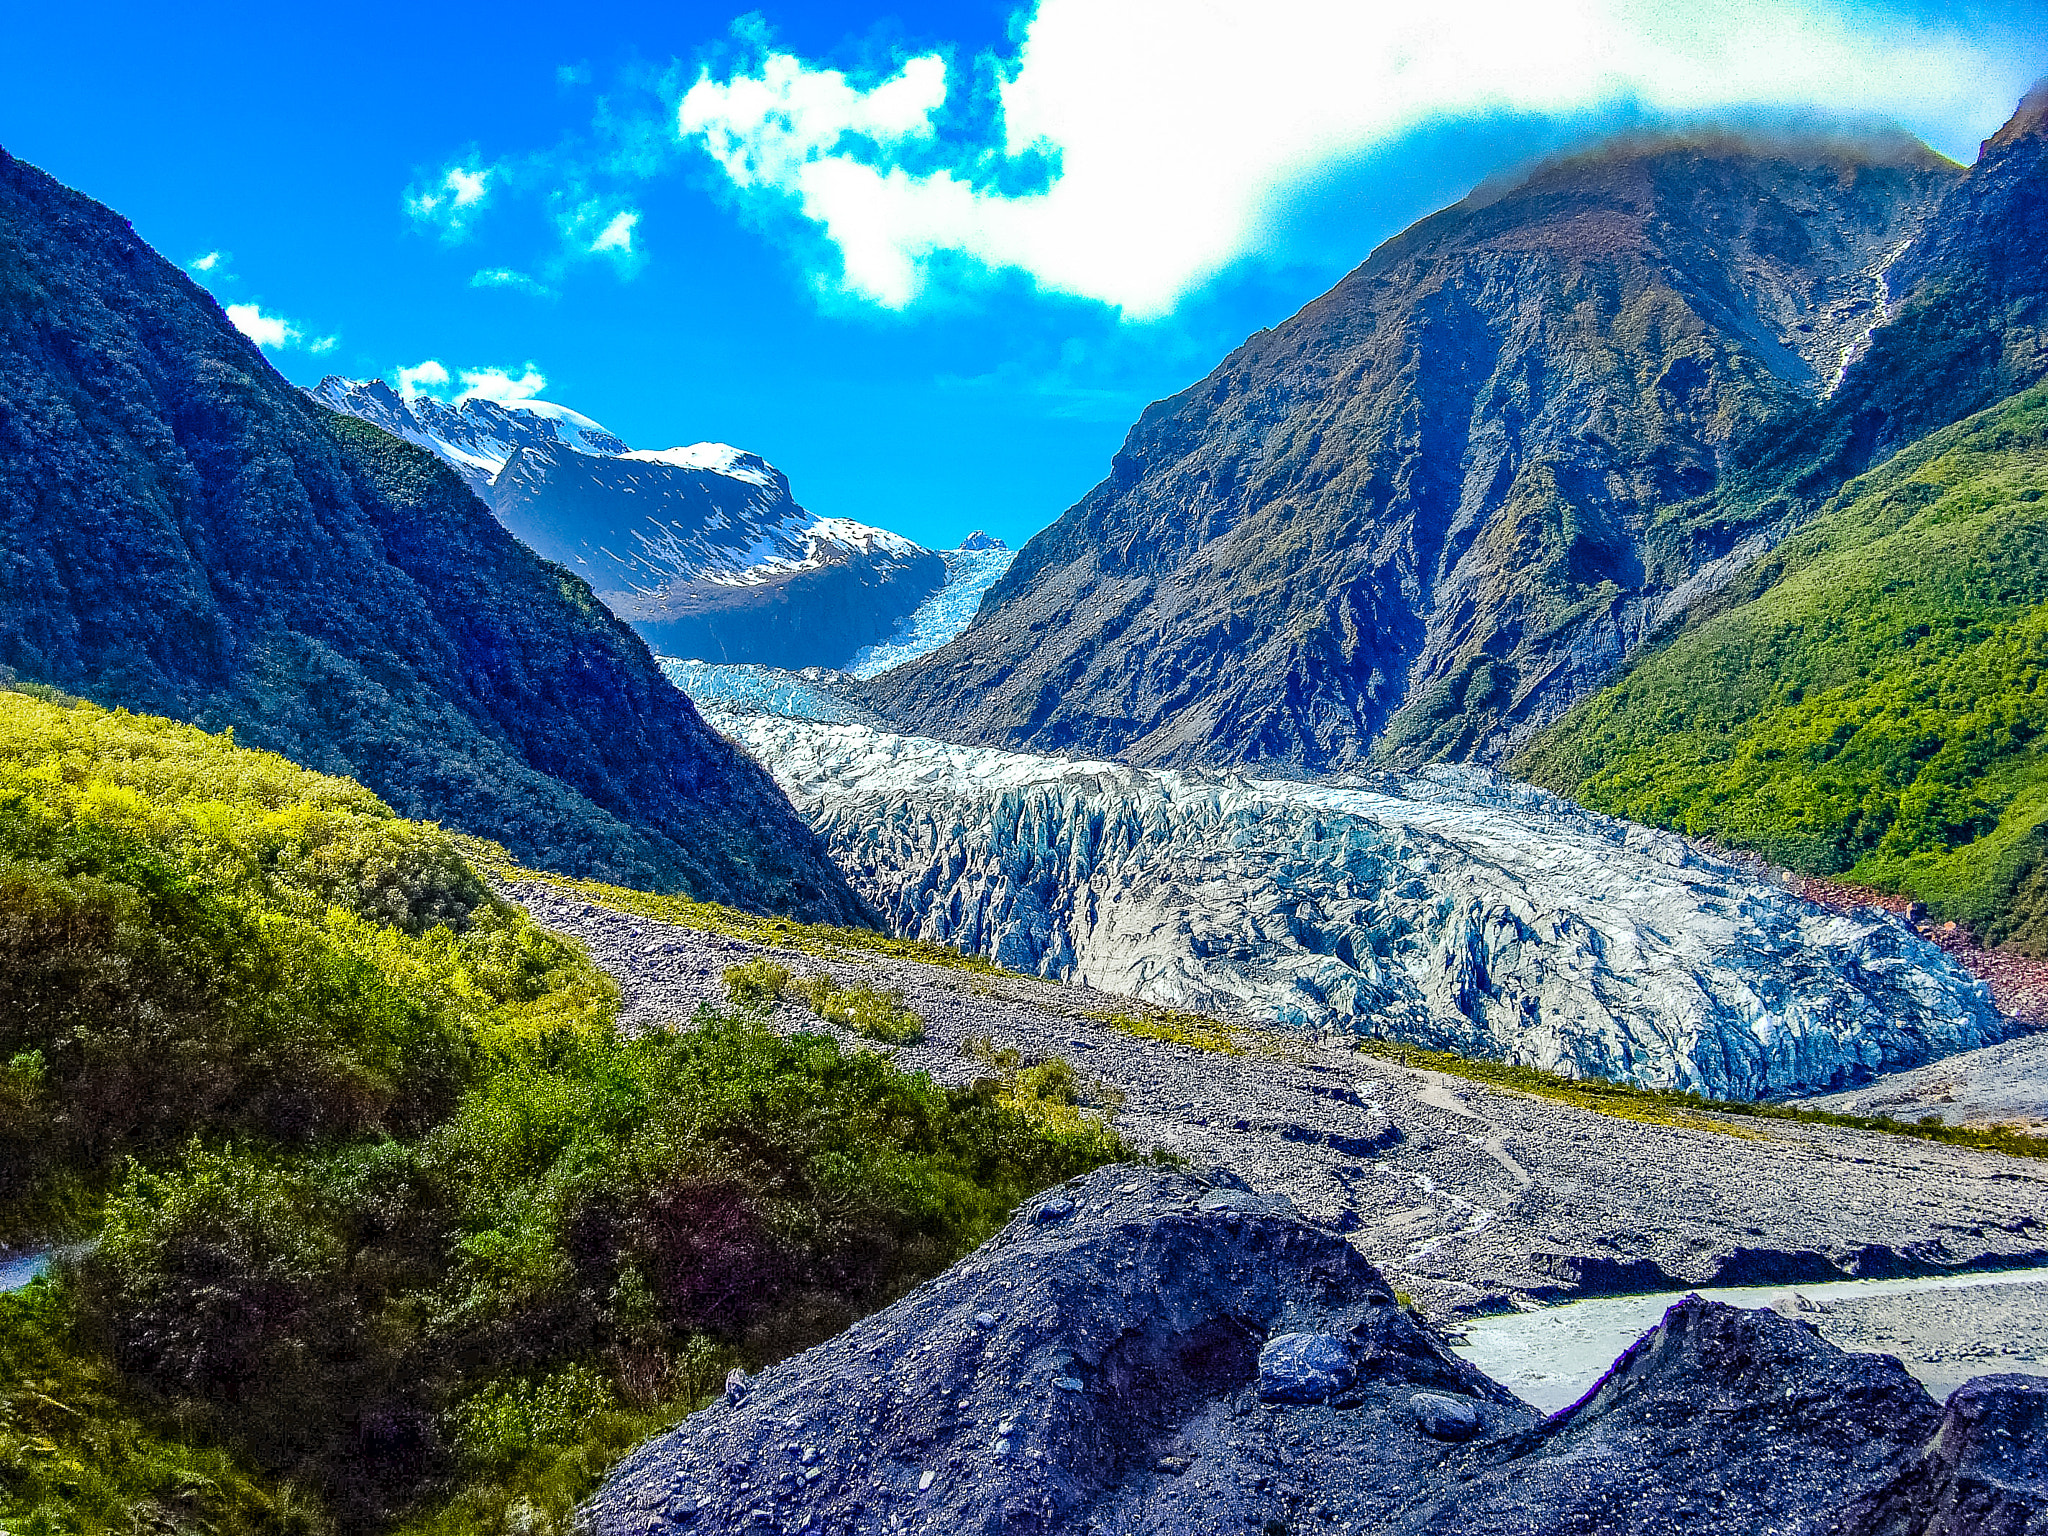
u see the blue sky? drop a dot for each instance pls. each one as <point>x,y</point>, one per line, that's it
<point>930,260</point>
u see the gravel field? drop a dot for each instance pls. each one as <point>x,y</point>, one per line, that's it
<point>1473,1200</point>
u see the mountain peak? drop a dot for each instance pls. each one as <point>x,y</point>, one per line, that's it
<point>2029,120</point>
<point>980,540</point>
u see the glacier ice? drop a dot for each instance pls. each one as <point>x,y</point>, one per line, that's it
<point>969,575</point>
<point>813,693</point>
<point>1451,909</point>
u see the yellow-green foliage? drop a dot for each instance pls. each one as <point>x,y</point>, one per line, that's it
<point>197,937</point>
<point>709,917</point>
<point>758,983</point>
<point>875,1015</point>
<point>394,1201</point>
<point>1689,1110</point>
<point>1049,1092</point>
<point>1193,1030</point>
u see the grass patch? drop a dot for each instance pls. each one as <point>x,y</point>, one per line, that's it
<point>1200,1032</point>
<point>1174,1028</point>
<point>871,1014</point>
<point>1689,1110</point>
<point>881,1016</point>
<point>818,939</point>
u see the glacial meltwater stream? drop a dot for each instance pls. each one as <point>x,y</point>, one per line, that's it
<point>1945,1329</point>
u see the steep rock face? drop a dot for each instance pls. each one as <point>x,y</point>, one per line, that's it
<point>1451,909</point>
<point>1099,1360</point>
<point>1155,1355</point>
<point>1985,1473</point>
<point>1423,512</point>
<point>183,531</point>
<point>702,549</point>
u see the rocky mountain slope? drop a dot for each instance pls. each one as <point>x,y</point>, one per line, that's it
<point>1864,699</point>
<point>702,549</point>
<point>1155,1353</point>
<point>1450,909</point>
<point>183,531</point>
<point>1431,510</point>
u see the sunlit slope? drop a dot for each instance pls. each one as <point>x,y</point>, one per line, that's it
<point>1870,699</point>
<point>392,1229</point>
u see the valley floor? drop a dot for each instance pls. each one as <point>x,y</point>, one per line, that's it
<point>1475,1200</point>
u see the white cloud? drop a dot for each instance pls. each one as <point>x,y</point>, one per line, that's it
<point>466,187</point>
<point>433,378</point>
<point>508,277</point>
<point>1172,125</point>
<point>204,263</point>
<point>427,378</point>
<point>451,201</point>
<point>617,235</point>
<point>498,384</point>
<point>271,332</point>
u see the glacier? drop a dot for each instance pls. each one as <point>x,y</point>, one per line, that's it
<point>1449,908</point>
<point>969,574</point>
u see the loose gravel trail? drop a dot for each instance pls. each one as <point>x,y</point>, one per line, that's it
<point>1475,1200</point>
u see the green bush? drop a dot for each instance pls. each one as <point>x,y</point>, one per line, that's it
<point>195,938</point>
<point>759,983</point>
<point>1873,700</point>
<point>612,1209</point>
<point>867,1012</point>
<point>79,1456</point>
<point>391,1212</point>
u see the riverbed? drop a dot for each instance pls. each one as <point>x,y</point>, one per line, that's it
<point>1945,1330</point>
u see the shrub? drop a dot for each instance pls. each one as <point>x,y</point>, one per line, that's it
<point>759,983</point>
<point>875,1015</point>
<point>195,938</point>
<point>393,1211</point>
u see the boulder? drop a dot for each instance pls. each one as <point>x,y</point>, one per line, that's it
<point>1304,1368</point>
<point>1157,1362</point>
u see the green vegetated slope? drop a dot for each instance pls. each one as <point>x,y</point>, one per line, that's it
<point>394,1229</point>
<point>1871,699</point>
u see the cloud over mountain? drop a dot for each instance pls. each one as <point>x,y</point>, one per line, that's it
<point>1153,137</point>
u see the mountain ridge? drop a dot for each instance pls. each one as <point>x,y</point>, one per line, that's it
<point>1428,513</point>
<point>182,531</point>
<point>702,548</point>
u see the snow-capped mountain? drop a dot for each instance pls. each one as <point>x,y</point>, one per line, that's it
<point>700,548</point>
<point>476,436</point>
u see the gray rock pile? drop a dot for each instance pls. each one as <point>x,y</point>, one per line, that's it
<point>1150,1354</point>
